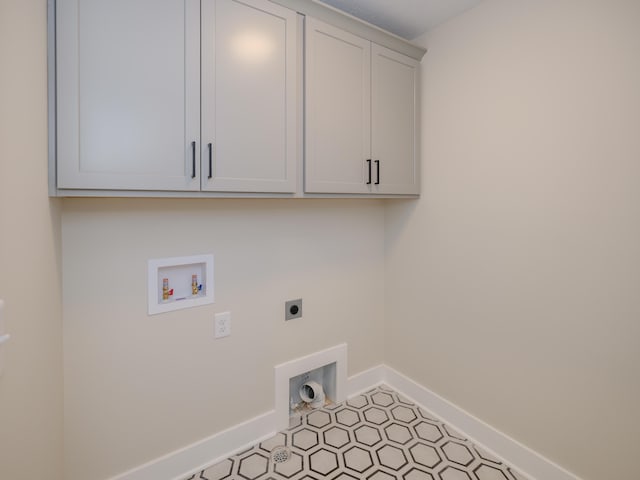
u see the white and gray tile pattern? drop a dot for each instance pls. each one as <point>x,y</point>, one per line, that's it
<point>375,436</point>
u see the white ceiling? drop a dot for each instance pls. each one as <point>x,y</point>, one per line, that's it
<point>405,18</point>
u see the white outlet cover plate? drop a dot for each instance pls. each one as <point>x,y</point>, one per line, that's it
<point>4,336</point>
<point>222,323</point>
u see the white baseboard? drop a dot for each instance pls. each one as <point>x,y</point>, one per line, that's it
<point>512,452</point>
<point>193,458</point>
<point>363,381</point>
<point>182,463</point>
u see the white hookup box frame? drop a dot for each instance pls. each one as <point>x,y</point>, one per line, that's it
<point>179,271</point>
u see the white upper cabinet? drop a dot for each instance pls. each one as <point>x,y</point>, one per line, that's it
<point>128,94</point>
<point>361,115</point>
<point>205,98</point>
<point>338,110</point>
<point>129,113</point>
<point>249,130</point>
<point>394,91</point>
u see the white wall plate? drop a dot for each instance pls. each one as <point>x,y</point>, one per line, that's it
<point>179,272</point>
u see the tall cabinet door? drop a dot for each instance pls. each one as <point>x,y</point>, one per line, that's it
<point>338,110</point>
<point>249,73</point>
<point>394,113</point>
<point>128,94</point>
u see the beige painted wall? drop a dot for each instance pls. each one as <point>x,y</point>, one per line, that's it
<point>512,286</point>
<point>31,386</point>
<point>138,386</point>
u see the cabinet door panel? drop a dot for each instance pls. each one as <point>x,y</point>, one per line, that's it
<point>394,143</point>
<point>249,96</point>
<point>338,110</point>
<point>128,94</point>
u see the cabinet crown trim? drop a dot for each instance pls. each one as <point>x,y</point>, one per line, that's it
<point>354,25</point>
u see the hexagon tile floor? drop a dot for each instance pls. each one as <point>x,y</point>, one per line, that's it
<point>378,435</point>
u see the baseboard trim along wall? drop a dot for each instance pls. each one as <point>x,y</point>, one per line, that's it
<point>512,452</point>
<point>365,380</point>
<point>182,463</point>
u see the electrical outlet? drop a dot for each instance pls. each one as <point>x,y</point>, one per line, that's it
<point>222,323</point>
<point>293,309</point>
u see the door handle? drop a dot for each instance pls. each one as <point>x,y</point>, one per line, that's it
<point>193,159</point>
<point>377,172</point>
<point>210,146</point>
<point>369,162</point>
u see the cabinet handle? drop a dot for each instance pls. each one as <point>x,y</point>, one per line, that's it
<point>369,162</point>
<point>193,159</point>
<point>377,172</point>
<point>210,160</point>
